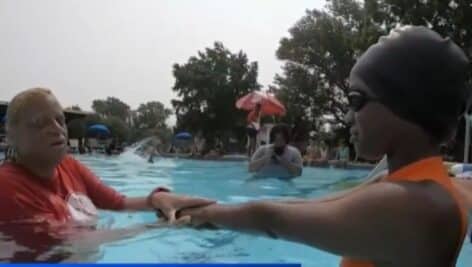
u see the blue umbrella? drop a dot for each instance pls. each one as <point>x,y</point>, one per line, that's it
<point>4,119</point>
<point>183,136</point>
<point>98,129</point>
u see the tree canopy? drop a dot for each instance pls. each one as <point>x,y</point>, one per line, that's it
<point>208,86</point>
<point>318,54</point>
<point>323,46</point>
<point>111,106</point>
<point>124,124</point>
<point>150,115</point>
<point>150,119</point>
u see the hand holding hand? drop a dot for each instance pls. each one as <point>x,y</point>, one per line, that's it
<point>201,217</point>
<point>170,204</point>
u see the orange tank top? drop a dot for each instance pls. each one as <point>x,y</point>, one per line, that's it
<point>434,169</point>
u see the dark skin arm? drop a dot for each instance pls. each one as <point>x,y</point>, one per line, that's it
<point>377,223</point>
<point>167,203</point>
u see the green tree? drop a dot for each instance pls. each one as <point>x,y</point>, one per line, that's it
<point>113,113</point>
<point>208,86</point>
<point>318,56</point>
<point>151,115</point>
<point>118,128</point>
<point>165,136</point>
<point>77,128</point>
<point>112,106</point>
<point>324,45</point>
<point>149,119</point>
<point>93,119</point>
<point>450,18</point>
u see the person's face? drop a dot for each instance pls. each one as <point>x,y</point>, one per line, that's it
<point>371,122</point>
<point>279,140</point>
<point>41,132</point>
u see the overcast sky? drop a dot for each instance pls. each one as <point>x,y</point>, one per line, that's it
<point>88,49</point>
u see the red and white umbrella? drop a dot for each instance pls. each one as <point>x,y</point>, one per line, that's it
<point>269,104</point>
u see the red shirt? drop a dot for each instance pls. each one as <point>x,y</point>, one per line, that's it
<point>67,196</point>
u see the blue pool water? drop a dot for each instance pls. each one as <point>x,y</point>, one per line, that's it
<point>225,182</point>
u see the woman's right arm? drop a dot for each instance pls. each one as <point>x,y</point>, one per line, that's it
<point>357,226</point>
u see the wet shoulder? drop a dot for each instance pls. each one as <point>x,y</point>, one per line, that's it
<point>431,196</point>
<point>424,206</point>
<point>446,219</point>
<point>439,198</point>
<point>437,213</point>
<point>422,212</point>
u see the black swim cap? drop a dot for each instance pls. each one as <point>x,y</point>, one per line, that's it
<point>419,76</point>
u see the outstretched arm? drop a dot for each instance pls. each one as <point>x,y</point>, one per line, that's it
<point>105,197</point>
<point>369,224</point>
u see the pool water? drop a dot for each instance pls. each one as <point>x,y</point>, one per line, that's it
<point>226,182</point>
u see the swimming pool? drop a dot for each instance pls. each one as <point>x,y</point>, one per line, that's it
<point>224,181</point>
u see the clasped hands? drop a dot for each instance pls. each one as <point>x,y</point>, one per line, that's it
<point>177,210</point>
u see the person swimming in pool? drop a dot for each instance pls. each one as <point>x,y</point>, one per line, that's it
<point>406,94</point>
<point>43,187</point>
<point>278,159</point>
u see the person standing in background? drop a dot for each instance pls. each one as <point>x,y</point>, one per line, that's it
<point>254,124</point>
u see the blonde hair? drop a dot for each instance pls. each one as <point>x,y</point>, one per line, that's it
<point>22,100</point>
<point>14,111</point>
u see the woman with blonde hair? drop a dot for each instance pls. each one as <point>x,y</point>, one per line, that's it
<point>40,185</point>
